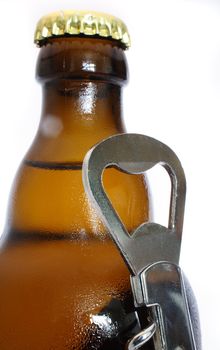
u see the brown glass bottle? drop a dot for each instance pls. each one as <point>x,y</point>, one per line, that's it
<point>63,283</point>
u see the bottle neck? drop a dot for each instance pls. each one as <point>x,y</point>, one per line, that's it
<point>82,83</point>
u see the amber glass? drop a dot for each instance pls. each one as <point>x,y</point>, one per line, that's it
<point>63,283</point>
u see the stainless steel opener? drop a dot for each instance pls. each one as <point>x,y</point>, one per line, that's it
<point>152,252</point>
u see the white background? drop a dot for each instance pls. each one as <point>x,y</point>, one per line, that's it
<point>173,95</point>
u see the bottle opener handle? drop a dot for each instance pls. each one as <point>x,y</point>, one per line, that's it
<point>164,293</point>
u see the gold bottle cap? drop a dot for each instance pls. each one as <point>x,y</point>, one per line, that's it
<point>87,23</point>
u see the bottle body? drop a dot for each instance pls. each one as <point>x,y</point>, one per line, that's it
<point>58,288</point>
<point>64,284</point>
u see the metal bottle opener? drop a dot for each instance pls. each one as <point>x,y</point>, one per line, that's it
<point>152,252</point>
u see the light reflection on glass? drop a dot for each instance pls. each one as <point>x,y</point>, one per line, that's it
<point>88,66</point>
<point>51,126</point>
<point>105,323</point>
<point>87,100</point>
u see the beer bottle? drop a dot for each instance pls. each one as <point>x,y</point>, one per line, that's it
<point>63,283</point>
